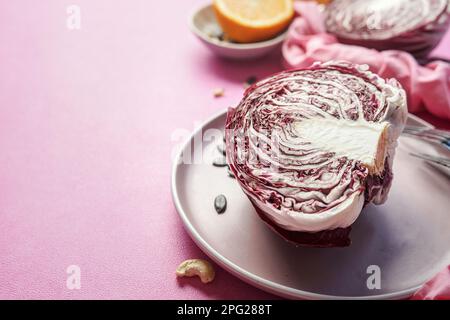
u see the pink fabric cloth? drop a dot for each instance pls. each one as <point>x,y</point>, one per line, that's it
<point>428,87</point>
<point>437,288</point>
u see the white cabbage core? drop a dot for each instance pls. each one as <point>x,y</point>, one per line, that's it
<point>358,140</point>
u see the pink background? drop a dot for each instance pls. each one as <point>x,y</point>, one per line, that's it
<point>85,147</point>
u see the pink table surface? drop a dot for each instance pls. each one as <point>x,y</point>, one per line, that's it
<point>87,119</point>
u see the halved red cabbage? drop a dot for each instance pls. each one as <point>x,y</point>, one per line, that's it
<point>415,26</point>
<point>311,147</point>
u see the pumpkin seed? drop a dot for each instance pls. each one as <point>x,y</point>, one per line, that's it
<point>220,162</point>
<point>222,148</point>
<point>220,204</point>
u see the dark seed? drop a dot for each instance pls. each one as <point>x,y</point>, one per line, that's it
<point>220,162</point>
<point>222,149</point>
<point>220,204</point>
<point>224,139</point>
<point>225,38</point>
<point>251,80</point>
<point>230,173</point>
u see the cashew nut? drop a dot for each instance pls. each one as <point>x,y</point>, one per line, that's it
<point>196,267</point>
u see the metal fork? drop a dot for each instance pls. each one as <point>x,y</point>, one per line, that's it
<point>440,163</point>
<point>434,159</point>
<point>441,137</point>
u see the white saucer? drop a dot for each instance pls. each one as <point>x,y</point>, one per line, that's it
<point>204,25</point>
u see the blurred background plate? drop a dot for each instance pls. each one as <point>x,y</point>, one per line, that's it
<point>204,25</point>
<point>408,237</point>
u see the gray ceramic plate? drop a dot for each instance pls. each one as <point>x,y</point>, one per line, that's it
<point>408,237</point>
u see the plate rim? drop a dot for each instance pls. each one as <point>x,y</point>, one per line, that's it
<point>246,276</point>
